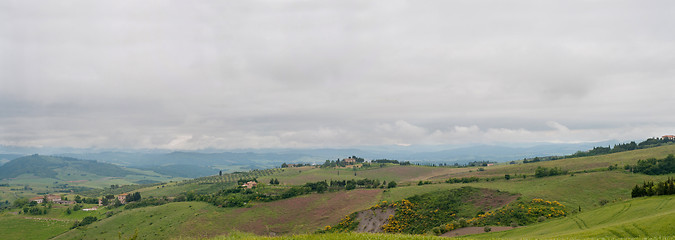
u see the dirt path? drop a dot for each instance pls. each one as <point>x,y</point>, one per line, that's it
<point>472,230</point>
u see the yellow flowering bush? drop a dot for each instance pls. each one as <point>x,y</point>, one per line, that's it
<point>520,213</point>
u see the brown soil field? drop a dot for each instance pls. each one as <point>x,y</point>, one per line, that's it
<point>304,214</point>
<point>490,199</point>
<point>373,220</point>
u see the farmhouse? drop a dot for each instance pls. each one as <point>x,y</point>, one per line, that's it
<point>668,136</point>
<point>50,198</point>
<point>36,199</point>
<point>53,198</point>
<point>122,197</point>
<point>349,160</point>
<point>64,202</point>
<point>250,184</point>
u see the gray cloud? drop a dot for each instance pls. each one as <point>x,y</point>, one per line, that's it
<point>229,74</point>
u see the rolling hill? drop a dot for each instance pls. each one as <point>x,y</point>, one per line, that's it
<point>49,167</point>
<point>600,192</point>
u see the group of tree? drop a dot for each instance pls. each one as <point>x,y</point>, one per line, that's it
<point>545,172</point>
<point>343,162</point>
<point>79,199</point>
<point>462,180</point>
<point>285,165</point>
<point>653,166</point>
<point>478,163</point>
<point>420,183</point>
<point>136,196</point>
<point>85,221</point>
<point>35,210</point>
<point>650,189</point>
<point>274,181</point>
<point>336,185</point>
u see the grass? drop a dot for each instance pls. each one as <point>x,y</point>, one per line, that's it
<point>636,218</point>
<point>581,190</point>
<point>18,227</point>
<point>573,164</point>
<point>159,222</point>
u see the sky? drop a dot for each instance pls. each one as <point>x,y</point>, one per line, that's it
<point>201,74</point>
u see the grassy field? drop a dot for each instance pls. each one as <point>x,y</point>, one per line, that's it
<point>18,227</point>
<point>22,226</point>
<point>571,164</point>
<point>642,217</point>
<point>160,222</point>
<point>581,190</point>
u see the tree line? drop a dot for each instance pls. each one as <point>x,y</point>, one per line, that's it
<point>650,189</point>
<point>545,172</point>
<point>653,166</point>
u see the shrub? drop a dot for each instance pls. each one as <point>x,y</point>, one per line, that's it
<point>487,229</point>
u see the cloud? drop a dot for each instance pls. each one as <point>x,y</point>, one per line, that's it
<point>320,74</point>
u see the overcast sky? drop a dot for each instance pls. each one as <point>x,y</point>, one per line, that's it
<point>267,74</point>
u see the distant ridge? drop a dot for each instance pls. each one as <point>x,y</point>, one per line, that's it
<point>46,166</point>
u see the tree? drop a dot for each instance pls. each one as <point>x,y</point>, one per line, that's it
<point>117,203</point>
<point>391,184</point>
<point>220,173</point>
<point>19,203</point>
<point>350,185</point>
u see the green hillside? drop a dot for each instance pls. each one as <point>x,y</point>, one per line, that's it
<point>636,218</point>
<point>49,166</point>
<point>597,185</point>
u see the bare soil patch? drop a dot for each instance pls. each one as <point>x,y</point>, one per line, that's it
<point>490,199</point>
<point>372,220</point>
<point>473,230</point>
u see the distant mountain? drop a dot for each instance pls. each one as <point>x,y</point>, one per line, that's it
<point>265,158</point>
<point>4,158</point>
<point>249,159</point>
<point>47,166</point>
